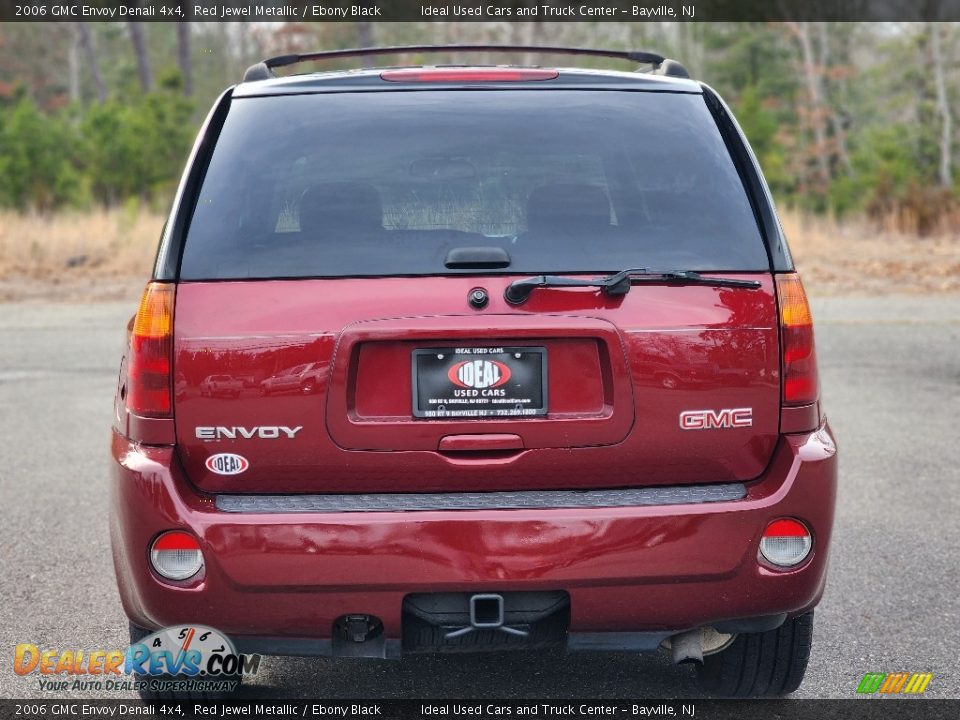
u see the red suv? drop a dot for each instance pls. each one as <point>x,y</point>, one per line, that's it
<point>562,385</point>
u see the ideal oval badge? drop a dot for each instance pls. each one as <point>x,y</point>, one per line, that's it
<point>479,374</point>
<point>227,464</point>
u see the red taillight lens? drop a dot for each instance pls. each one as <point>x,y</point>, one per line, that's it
<point>800,383</point>
<point>151,349</point>
<point>468,75</point>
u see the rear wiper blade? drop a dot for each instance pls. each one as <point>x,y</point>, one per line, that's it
<point>618,284</point>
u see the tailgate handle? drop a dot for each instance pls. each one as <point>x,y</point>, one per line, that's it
<point>480,443</point>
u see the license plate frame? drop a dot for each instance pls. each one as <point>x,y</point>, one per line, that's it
<point>441,392</point>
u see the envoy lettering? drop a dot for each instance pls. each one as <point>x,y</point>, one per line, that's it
<point>264,432</point>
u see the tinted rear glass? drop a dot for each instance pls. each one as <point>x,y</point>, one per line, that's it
<point>388,183</point>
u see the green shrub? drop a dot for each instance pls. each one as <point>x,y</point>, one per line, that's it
<point>128,147</point>
<point>36,158</point>
<point>137,147</point>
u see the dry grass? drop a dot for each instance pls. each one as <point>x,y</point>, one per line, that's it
<point>108,255</point>
<point>114,243</point>
<point>79,256</point>
<point>852,258</point>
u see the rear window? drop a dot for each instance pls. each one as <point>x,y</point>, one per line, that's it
<point>388,183</point>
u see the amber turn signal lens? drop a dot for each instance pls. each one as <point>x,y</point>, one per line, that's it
<point>155,314</point>
<point>794,308</point>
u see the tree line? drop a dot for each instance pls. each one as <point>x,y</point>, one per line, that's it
<point>846,118</point>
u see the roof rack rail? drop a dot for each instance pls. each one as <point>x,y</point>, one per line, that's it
<point>662,66</point>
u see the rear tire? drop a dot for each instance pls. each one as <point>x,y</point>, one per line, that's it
<point>760,664</point>
<point>137,634</point>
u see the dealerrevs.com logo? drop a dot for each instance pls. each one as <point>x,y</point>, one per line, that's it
<point>175,659</point>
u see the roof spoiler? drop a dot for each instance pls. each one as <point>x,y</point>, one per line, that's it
<point>662,66</point>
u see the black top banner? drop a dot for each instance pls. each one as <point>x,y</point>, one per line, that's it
<point>480,10</point>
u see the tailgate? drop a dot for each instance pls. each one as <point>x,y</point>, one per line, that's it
<point>665,385</point>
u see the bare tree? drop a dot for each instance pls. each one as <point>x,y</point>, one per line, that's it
<point>73,65</point>
<point>143,59</point>
<point>943,108</point>
<point>830,108</point>
<point>815,112</point>
<point>365,39</point>
<point>232,37</point>
<point>691,46</point>
<point>82,31</point>
<point>183,55</point>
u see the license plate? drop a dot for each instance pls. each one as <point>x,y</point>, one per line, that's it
<point>479,382</point>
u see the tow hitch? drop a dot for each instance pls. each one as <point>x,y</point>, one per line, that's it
<point>486,611</point>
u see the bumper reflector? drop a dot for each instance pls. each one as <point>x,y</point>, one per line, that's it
<point>176,555</point>
<point>786,543</point>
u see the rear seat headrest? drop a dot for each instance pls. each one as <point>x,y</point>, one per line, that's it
<point>568,208</point>
<point>341,208</point>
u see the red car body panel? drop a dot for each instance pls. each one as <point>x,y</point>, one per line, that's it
<point>613,414</point>
<point>642,386</point>
<point>666,567</point>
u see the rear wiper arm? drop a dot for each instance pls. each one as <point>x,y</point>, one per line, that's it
<point>618,284</point>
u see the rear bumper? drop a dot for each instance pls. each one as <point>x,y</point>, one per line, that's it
<point>280,579</point>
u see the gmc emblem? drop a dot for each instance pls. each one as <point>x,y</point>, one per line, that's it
<point>712,419</point>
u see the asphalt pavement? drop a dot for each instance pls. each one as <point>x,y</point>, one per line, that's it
<point>890,371</point>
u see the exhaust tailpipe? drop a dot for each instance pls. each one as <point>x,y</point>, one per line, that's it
<point>686,648</point>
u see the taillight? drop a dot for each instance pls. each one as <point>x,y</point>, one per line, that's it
<point>786,542</point>
<point>800,383</point>
<point>151,348</point>
<point>468,75</point>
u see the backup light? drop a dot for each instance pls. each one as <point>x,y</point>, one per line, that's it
<point>176,555</point>
<point>786,542</point>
